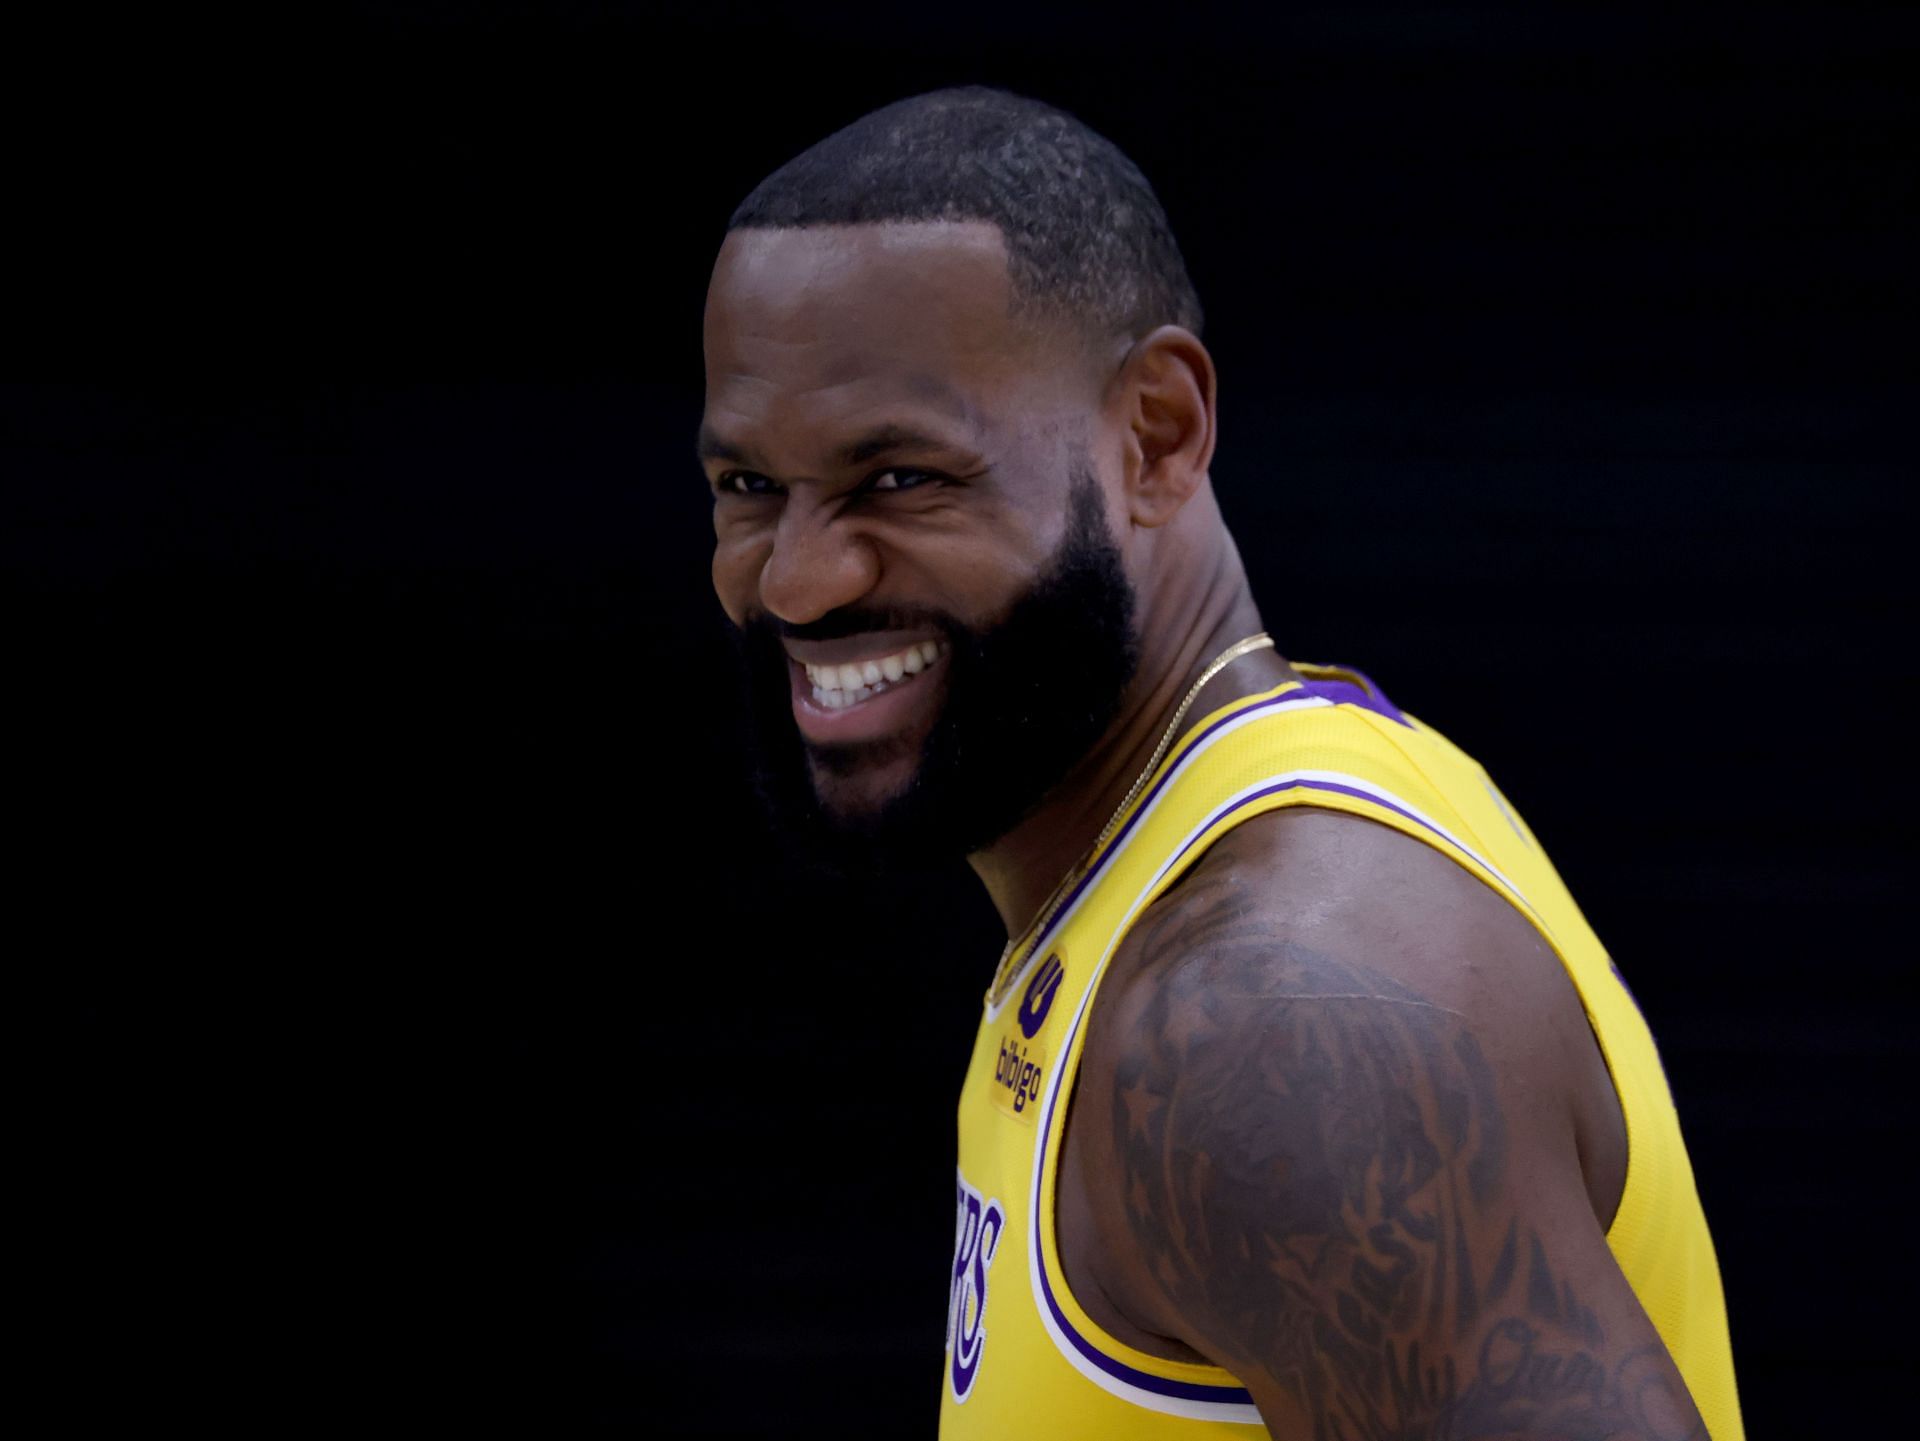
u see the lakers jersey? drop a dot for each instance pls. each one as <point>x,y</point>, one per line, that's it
<point>1023,1359</point>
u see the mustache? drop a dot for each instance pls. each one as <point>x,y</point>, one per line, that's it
<point>849,621</point>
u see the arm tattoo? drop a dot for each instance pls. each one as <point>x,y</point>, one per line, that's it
<point>1314,1165</point>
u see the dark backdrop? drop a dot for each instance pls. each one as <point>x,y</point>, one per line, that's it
<point>424,1031</point>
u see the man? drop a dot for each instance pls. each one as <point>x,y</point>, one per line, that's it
<point>1303,1097</point>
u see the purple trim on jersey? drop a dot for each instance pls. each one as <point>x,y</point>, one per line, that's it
<point>1338,692</point>
<point>1357,794</point>
<point>1145,1380</point>
<point>1293,696</point>
<point>1366,695</point>
<point>1658,1059</point>
<point>1119,1370</point>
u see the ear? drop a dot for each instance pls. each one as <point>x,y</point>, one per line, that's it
<point>1164,395</point>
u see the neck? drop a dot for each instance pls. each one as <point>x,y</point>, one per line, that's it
<point>1022,868</point>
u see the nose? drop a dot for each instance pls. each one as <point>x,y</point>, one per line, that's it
<point>818,563</point>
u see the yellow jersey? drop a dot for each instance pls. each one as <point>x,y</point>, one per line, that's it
<point>1023,1359</point>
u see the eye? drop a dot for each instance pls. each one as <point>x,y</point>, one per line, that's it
<point>900,478</point>
<point>745,482</point>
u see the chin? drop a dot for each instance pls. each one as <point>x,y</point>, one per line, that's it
<point>861,797</point>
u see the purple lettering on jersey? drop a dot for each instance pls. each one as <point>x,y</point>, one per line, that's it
<point>1019,1074</point>
<point>976,1237</point>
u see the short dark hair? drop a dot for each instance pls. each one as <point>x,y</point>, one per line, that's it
<point>1086,238</point>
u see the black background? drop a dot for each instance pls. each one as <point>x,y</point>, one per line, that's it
<point>420,1029</point>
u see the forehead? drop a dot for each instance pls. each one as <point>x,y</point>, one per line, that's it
<point>856,316</point>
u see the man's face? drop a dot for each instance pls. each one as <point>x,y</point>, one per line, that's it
<point>911,532</point>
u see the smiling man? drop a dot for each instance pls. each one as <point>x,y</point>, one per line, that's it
<point>1305,1101</point>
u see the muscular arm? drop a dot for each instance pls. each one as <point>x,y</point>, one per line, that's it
<point>1325,1181</point>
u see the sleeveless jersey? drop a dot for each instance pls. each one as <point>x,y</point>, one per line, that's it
<point>1023,1358</point>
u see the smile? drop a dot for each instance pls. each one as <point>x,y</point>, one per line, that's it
<point>835,687</point>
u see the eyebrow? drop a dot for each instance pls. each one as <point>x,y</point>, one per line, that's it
<point>711,447</point>
<point>880,440</point>
<point>858,451</point>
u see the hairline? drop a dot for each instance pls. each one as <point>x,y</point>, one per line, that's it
<point>1046,322</point>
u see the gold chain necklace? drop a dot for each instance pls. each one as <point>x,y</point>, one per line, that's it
<point>1005,973</point>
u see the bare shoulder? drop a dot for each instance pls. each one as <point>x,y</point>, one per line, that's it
<point>1335,1089</point>
<point>1317,904</point>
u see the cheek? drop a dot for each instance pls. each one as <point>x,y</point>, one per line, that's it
<point>969,584</point>
<point>974,562</point>
<point>737,562</point>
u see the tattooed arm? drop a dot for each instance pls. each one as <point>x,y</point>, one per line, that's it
<point>1335,1102</point>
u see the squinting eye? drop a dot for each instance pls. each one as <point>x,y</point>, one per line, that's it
<point>746,482</point>
<point>900,479</point>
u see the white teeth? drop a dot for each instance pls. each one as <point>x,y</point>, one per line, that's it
<point>835,687</point>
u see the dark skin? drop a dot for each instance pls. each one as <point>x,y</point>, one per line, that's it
<point>1340,1126</point>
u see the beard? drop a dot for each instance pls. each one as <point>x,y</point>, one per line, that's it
<point>1026,698</point>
